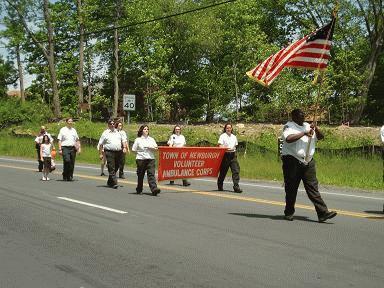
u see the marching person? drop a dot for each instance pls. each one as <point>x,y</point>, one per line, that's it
<point>38,141</point>
<point>144,147</point>
<point>177,140</point>
<point>297,165</point>
<point>229,141</point>
<point>113,145</point>
<point>46,149</point>
<point>69,145</point>
<point>119,127</point>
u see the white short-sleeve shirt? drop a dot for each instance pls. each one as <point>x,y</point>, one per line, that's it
<point>177,140</point>
<point>46,150</point>
<point>382,134</point>
<point>143,146</point>
<point>229,141</point>
<point>298,149</point>
<point>111,140</point>
<point>68,136</point>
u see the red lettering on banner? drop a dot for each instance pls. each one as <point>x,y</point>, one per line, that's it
<point>189,162</point>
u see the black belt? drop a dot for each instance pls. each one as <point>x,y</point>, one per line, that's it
<point>105,150</point>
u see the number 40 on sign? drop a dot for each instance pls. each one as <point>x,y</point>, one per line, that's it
<point>129,102</point>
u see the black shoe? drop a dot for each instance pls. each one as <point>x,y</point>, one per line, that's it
<point>220,187</point>
<point>327,215</point>
<point>288,217</point>
<point>102,174</point>
<point>115,186</point>
<point>171,182</point>
<point>186,183</point>
<point>156,191</point>
<point>139,191</point>
<point>237,189</point>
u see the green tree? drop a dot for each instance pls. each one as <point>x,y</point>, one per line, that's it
<point>8,75</point>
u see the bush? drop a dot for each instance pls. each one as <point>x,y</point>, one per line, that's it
<point>12,111</point>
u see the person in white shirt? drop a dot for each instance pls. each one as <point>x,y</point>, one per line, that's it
<point>69,145</point>
<point>119,127</point>
<point>46,148</point>
<point>297,165</point>
<point>382,134</point>
<point>38,141</point>
<point>229,141</point>
<point>144,147</point>
<point>113,145</point>
<point>177,140</point>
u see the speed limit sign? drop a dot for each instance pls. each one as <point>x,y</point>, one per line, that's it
<point>129,102</point>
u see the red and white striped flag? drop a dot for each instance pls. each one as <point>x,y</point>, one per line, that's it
<point>310,52</point>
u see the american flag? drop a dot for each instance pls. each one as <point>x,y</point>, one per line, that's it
<point>310,52</point>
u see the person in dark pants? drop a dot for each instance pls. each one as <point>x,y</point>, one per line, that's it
<point>69,145</point>
<point>298,165</point>
<point>229,141</point>
<point>38,141</point>
<point>144,147</point>
<point>177,140</point>
<point>119,127</point>
<point>113,145</point>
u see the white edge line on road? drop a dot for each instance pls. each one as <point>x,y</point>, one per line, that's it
<point>214,181</point>
<point>92,205</point>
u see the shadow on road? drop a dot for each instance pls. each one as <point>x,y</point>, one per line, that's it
<point>273,217</point>
<point>375,217</point>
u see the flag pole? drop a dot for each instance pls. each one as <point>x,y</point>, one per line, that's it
<point>319,73</point>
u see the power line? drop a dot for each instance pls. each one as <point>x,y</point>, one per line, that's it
<point>158,19</point>
<point>109,29</point>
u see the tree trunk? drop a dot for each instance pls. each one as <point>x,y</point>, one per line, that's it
<point>116,59</point>
<point>51,61</point>
<point>210,112</point>
<point>89,82</point>
<point>48,55</point>
<point>236,90</point>
<point>21,75</point>
<point>80,74</point>
<point>376,49</point>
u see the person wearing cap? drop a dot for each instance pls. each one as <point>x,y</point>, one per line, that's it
<point>38,141</point>
<point>69,145</point>
<point>144,147</point>
<point>298,166</point>
<point>113,145</point>
<point>228,140</point>
<point>119,127</point>
<point>177,140</point>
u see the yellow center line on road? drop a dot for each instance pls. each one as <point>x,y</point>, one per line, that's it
<point>221,195</point>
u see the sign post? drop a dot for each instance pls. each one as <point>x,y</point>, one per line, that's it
<point>129,104</point>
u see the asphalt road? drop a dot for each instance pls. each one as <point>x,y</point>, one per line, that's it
<point>84,234</point>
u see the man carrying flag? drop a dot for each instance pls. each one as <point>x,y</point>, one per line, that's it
<point>310,52</point>
<point>298,166</point>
